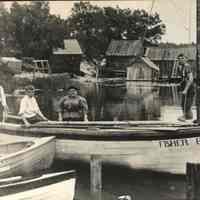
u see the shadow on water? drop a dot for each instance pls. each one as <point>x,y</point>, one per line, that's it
<point>119,180</point>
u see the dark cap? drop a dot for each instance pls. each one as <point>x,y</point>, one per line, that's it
<point>181,55</point>
<point>29,87</point>
<point>73,87</point>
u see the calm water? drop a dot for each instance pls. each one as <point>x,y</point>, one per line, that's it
<point>126,101</point>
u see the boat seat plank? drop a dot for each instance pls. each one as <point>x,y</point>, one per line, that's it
<point>13,117</point>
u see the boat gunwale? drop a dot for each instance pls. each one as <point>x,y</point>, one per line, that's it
<point>36,144</point>
<point>36,182</point>
<point>27,144</point>
<point>144,134</point>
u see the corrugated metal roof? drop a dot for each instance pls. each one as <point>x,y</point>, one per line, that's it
<point>163,53</point>
<point>150,63</point>
<point>71,47</point>
<point>125,48</point>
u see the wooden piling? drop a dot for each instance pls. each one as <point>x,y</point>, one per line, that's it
<point>95,177</point>
<point>193,181</point>
<point>198,61</point>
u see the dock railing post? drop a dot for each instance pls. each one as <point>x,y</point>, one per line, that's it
<point>95,177</point>
<point>193,181</point>
<point>198,61</point>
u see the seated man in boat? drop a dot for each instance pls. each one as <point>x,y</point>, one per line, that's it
<point>72,107</point>
<point>187,87</point>
<point>29,109</point>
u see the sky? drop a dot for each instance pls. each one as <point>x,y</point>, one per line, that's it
<point>178,15</point>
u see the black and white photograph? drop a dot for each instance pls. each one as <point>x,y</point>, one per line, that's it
<point>100,100</point>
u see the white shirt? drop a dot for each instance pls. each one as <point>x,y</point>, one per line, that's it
<point>2,96</point>
<point>29,107</point>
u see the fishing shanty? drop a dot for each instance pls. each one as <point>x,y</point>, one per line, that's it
<point>100,92</point>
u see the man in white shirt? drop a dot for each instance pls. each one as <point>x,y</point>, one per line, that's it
<point>29,109</point>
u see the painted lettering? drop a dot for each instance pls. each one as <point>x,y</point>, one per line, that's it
<point>198,140</point>
<point>175,143</point>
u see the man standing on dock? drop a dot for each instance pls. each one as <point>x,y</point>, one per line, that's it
<point>187,87</point>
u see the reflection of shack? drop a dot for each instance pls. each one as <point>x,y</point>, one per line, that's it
<point>112,103</point>
<point>139,103</point>
<point>116,90</point>
<point>67,59</point>
<point>128,108</point>
<point>149,96</point>
<point>142,69</point>
<point>119,55</point>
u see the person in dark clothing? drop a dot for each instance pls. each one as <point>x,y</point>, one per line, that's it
<point>72,107</point>
<point>187,87</point>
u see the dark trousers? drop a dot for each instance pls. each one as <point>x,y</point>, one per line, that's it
<point>73,119</point>
<point>35,119</point>
<point>186,104</point>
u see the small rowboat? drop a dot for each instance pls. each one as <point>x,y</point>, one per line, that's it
<point>28,156</point>
<point>60,185</point>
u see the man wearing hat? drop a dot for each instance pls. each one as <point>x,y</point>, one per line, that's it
<point>29,109</point>
<point>72,107</point>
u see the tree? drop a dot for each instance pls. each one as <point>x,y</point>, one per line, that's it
<point>94,27</point>
<point>35,31</point>
<point>6,39</point>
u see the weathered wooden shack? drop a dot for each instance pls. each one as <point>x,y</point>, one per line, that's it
<point>143,69</point>
<point>67,59</point>
<point>125,59</point>
<point>165,58</point>
<point>120,55</point>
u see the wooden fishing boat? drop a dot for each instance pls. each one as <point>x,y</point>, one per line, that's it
<point>60,185</point>
<point>160,146</point>
<point>28,156</point>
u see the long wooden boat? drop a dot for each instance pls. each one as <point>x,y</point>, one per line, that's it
<point>160,146</point>
<point>60,185</point>
<point>28,156</point>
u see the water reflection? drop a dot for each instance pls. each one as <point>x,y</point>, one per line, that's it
<point>124,101</point>
<point>133,101</point>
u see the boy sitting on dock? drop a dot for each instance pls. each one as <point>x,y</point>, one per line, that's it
<point>29,110</point>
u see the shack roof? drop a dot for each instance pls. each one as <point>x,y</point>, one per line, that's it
<point>171,53</point>
<point>149,63</point>
<point>125,48</point>
<point>71,47</point>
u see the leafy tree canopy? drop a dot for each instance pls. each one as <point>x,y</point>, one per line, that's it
<point>34,30</point>
<point>29,30</point>
<point>94,27</point>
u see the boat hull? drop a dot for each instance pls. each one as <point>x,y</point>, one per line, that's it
<point>159,155</point>
<point>156,148</point>
<point>38,156</point>
<point>49,187</point>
